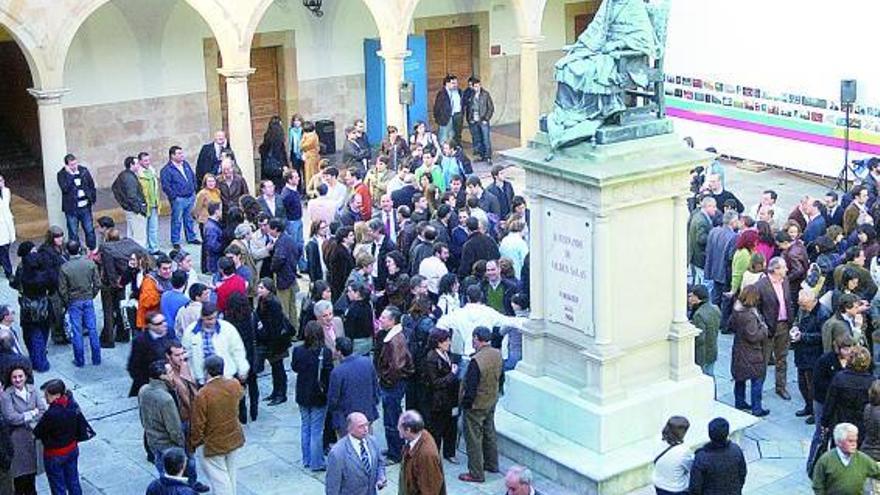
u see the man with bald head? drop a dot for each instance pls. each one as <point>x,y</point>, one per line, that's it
<point>210,156</point>
<point>354,465</point>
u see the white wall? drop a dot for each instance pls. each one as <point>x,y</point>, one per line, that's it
<point>136,49</point>
<point>326,46</point>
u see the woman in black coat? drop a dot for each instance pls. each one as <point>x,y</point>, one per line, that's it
<point>871,417</point>
<point>396,291</point>
<point>358,318</point>
<point>441,376</point>
<point>33,281</point>
<point>272,339</point>
<point>273,154</point>
<point>848,393</point>
<point>339,260</point>
<point>239,314</point>
<point>312,364</point>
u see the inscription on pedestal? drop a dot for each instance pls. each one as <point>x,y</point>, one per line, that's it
<point>569,276</point>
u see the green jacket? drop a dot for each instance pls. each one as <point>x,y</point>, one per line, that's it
<point>78,280</point>
<point>698,234</point>
<point>707,318</point>
<point>742,258</point>
<point>159,416</point>
<point>150,185</point>
<point>831,477</point>
<point>833,328</point>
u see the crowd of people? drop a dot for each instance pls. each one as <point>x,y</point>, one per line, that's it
<point>405,291</point>
<point>806,281</point>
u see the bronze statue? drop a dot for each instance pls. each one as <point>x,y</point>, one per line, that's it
<point>592,77</point>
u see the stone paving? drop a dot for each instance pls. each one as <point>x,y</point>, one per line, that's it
<point>114,462</point>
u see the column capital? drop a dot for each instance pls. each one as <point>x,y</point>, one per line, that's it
<point>237,73</point>
<point>531,41</point>
<point>398,55</point>
<point>48,96</point>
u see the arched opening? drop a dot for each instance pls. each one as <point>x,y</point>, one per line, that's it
<point>20,150</point>
<point>319,64</point>
<point>134,70</point>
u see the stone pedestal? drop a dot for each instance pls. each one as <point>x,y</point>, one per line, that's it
<point>608,355</point>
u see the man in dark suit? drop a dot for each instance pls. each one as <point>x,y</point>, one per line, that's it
<point>354,154</point>
<point>520,481</point>
<point>479,246</point>
<point>284,259</point>
<point>778,310</point>
<point>699,226</point>
<point>379,248</point>
<point>387,215</point>
<point>271,203</point>
<point>404,195</point>
<point>448,110</point>
<point>210,156</point>
<point>354,387</point>
<point>354,465</point>
<point>833,209</point>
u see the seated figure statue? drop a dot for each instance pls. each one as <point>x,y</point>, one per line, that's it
<point>589,80</point>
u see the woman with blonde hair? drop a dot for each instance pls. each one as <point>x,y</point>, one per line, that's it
<point>310,148</point>
<point>672,466</point>
<point>316,179</point>
<point>209,193</point>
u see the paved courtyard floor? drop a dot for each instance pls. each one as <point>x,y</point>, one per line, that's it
<point>114,462</point>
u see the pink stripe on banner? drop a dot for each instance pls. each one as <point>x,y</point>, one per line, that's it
<point>772,131</point>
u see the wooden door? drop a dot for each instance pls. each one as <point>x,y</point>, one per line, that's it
<point>450,51</point>
<point>581,21</point>
<point>263,92</point>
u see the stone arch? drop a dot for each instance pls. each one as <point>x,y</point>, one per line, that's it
<point>28,44</point>
<point>216,22</point>
<point>529,17</point>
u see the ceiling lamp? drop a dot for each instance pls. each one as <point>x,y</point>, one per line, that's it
<point>314,7</point>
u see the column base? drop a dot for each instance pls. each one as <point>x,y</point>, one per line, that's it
<point>537,443</point>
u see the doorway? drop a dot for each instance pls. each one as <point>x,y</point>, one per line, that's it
<point>263,91</point>
<point>450,51</point>
<point>20,150</point>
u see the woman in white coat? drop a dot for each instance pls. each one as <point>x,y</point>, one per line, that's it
<point>7,228</point>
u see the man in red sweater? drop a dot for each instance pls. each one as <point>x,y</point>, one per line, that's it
<point>230,282</point>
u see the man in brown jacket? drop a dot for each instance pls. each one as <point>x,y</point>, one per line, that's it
<point>395,367</point>
<point>421,472</point>
<point>215,425</point>
<point>479,394</point>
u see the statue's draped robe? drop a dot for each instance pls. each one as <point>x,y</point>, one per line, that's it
<point>587,77</point>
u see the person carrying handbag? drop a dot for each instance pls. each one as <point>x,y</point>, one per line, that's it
<point>312,363</point>
<point>61,429</point>
<point>672,467</point>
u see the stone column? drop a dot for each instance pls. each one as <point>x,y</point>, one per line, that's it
<point>53,142</point>
<point>603,312</point>
<point>395,112</point>
<point>239,113</point>
<point>529,95</point>
<point>681,332</point>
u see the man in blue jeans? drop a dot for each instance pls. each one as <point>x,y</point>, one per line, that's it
<point>77,197</point>
<point>395,368</point>
<point>479,112</point>
<point>58,430</point>
<point>78,284</point>
<point>179,184</point>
